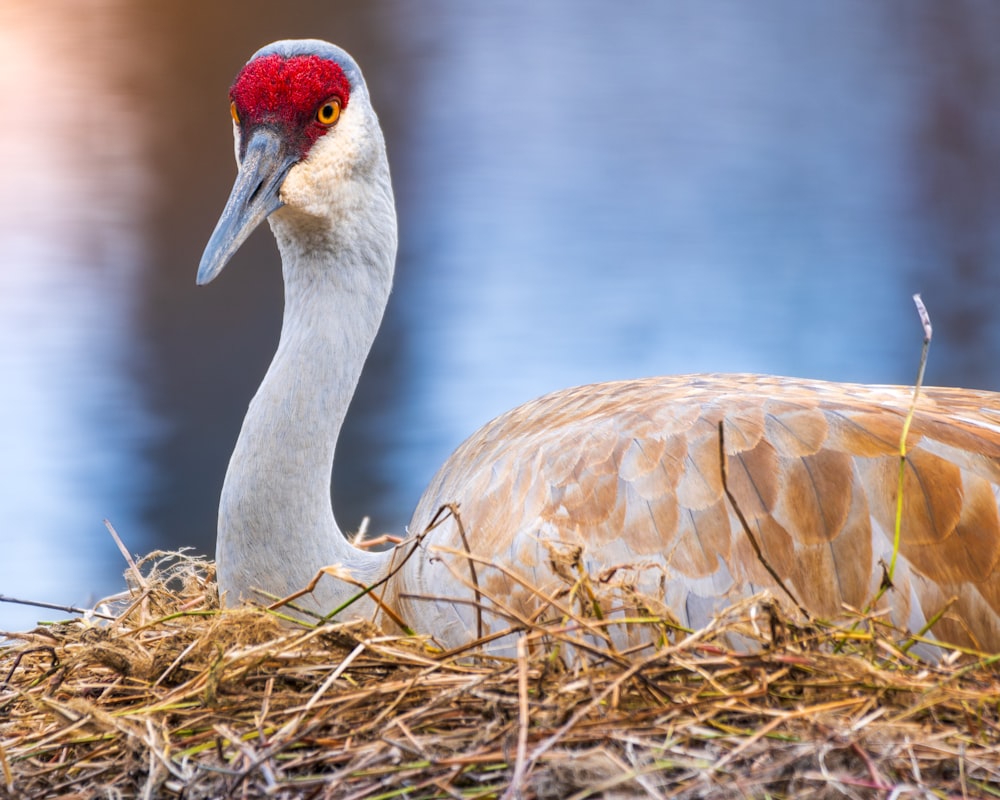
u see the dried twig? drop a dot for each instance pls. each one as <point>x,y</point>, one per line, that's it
<point>175,698</point>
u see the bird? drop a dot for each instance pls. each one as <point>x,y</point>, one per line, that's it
<point>679,494</point>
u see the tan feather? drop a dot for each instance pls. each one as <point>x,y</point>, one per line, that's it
<point>631,472</point>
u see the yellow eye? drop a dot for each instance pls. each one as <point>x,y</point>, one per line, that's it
<point>329,112</point>
<point>235,113</point>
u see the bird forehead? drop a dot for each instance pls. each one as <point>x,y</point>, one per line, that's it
<point>275,87</point>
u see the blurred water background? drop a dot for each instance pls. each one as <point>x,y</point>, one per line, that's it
<point>586,191</point>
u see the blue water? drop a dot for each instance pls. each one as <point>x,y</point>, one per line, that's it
<point>584,194</point>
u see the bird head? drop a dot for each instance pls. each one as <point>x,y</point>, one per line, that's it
<point>303,126</point>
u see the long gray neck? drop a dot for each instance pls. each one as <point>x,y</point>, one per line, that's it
<point>276,523</point>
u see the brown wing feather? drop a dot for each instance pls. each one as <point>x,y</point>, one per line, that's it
<point>631,474</point>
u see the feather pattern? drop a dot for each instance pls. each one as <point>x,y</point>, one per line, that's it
<point>685,478</point>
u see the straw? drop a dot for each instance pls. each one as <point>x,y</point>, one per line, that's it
<point>174,698</point>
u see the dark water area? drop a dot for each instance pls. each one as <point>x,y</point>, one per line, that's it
<point>584,194</point>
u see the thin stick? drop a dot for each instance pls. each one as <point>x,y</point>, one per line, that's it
<point>746,526</point>
<point>54,606</point>
<point>925,322</point>
<point>523,721</point>
<point>453,508</point>
<point>8,776</point>
<point>17,661</point>
<point>128,556</point>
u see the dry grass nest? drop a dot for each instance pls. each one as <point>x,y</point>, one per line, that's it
<point>174,698</point>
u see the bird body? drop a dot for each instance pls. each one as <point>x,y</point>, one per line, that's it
<point>686,492</point>
<point>675,483</point>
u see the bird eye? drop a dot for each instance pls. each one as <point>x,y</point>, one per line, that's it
<point>235,113</point>
<point>329,112</point>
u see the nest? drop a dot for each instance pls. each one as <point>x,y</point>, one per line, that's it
<point>172,697</point>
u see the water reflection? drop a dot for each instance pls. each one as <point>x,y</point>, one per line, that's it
<point>956,189</point>
<point>71,214</point>
<point>583,195</point>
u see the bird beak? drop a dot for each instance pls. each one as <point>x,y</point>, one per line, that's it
<point>255,195</point>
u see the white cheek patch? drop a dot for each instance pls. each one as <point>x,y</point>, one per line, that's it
<point>315,184</point>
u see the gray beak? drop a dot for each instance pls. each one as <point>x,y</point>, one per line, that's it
<point>255,195</point>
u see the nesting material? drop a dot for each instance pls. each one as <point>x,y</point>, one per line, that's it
<point>175,698</point>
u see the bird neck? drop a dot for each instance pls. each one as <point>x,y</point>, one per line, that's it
<point>276,517</point>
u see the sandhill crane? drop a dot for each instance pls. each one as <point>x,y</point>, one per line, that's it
<point>696,490</point>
